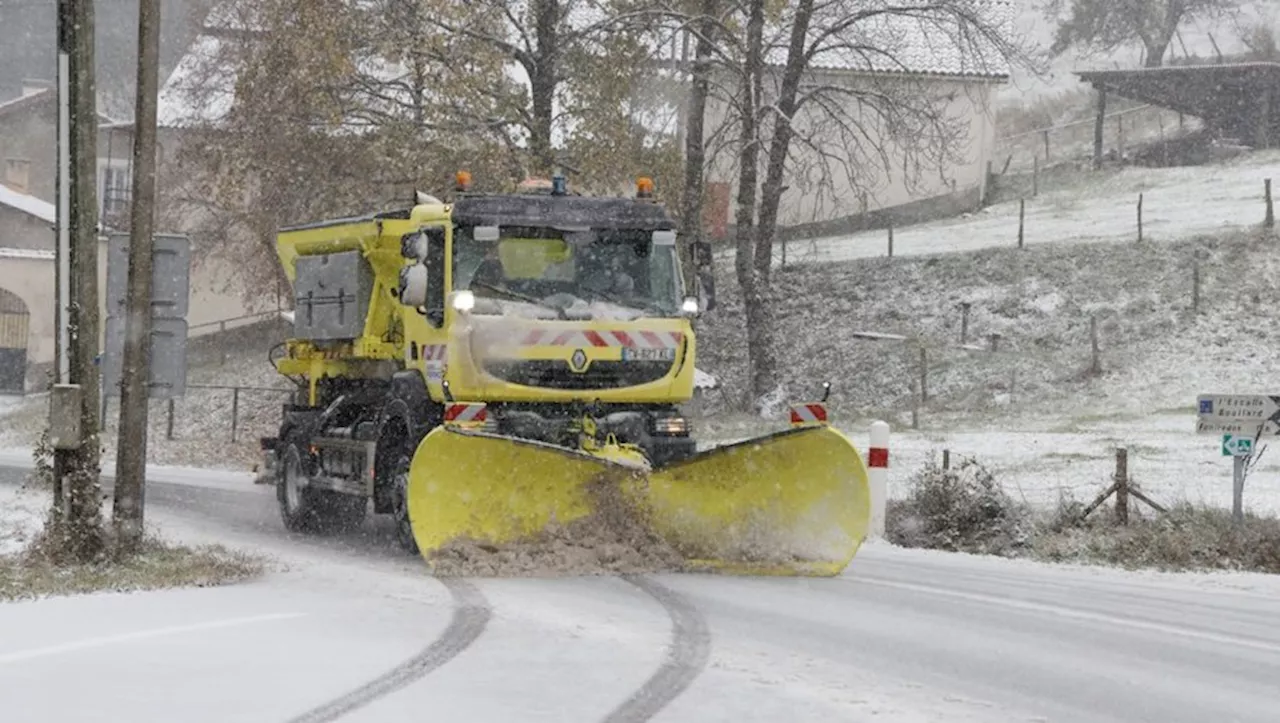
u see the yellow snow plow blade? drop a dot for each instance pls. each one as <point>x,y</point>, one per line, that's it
<point>793,503</point>
<point>490,489</point>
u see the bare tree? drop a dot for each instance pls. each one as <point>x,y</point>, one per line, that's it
<point>1105,25</point>
<point>877,119</point>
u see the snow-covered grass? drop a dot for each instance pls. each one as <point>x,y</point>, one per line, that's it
<point>21,519</point>
<point>31,568</point>
<point>1155,353</point>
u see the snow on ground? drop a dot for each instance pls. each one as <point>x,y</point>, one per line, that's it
<point>21,518</point>
<point>1177,203</point>
<point>1037,460</point>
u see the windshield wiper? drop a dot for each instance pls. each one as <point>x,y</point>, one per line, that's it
<point>520,297</point>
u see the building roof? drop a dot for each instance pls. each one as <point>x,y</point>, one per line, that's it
<point>37,97</point>
<point>1232,97</point>
<point>28,204</point>
<point>923,41</point>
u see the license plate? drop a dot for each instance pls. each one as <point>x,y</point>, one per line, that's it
<point>631,354</point>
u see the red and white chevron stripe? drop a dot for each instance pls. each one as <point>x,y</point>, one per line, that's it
<point>583,338</point>
<point>808,413</point>
<point>465,413</point>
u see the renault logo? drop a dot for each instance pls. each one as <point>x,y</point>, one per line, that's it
<point>578,362</point>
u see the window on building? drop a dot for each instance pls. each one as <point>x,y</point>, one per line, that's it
<point>115,188</point>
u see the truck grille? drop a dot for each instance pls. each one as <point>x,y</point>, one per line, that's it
<point>556,374</point>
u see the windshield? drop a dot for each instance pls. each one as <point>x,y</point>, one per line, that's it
<point>563,269</point>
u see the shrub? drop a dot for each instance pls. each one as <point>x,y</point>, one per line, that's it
<point>1187,537</point>
<point>962,508</point>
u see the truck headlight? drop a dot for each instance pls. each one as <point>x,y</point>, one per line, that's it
<point>690,305</point>
<point>673,426</point>
<point>464,300</point>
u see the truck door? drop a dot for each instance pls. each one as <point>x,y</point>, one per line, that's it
<point>426,337</point>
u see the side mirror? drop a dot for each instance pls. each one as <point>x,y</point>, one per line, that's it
<point>413,246</point>
<point>413,285</point>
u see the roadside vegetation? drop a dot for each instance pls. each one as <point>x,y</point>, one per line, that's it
<point>61,559</point>
<point>964,508</point>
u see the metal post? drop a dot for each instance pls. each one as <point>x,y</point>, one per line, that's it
<point>1237,489</point>
<point>878,474</point>
<point>964,322</point>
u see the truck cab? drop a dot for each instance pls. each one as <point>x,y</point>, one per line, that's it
<point>548,306</point>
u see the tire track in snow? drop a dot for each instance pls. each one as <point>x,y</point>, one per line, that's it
<point>471,613</point>
<point>687,655</point>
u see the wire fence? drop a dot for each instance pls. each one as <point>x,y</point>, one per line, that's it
<point>1122,132</point>
<point>216,413</point>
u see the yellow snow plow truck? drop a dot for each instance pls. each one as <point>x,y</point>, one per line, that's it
<point>475,367</point>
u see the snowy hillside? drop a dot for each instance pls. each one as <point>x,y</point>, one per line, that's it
<point>1177,203</point>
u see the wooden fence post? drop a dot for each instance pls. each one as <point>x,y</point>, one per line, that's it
<point>964,322</point>
<point>1195,287</point>
<point>1139,217</point>
<point>1045,133</point>
<point>1120,138</point>
<point>1035,176</point>
<point>891,239</point>
<point>1270,220</point>
<point>915,404</point>
<point>1122,485</point>
<point>946,459</point>
<point>168,424</point>
<point>995,341</point>
<point>235,411</point>
<point>1096,367</point>
<point>1022,214</point>
<point>924,376</point>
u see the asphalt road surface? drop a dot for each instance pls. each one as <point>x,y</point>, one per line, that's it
<point>355,630</point>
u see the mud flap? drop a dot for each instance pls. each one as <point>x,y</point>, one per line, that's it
<point>793,503</point>
<point>493,490</point>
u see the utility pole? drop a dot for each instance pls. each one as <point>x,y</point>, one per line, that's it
<point>76,467</point>
<point>131,454</point>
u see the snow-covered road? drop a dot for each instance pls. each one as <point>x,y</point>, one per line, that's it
<point>350,629</point>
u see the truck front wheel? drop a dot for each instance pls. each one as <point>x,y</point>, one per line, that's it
<point>400,504</point>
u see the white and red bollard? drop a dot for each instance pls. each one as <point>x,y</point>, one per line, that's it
<point>878,476</point>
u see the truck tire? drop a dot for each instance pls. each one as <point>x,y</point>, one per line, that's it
<point>400,506</point>
<point>298,508</point>
<point>305,509</point>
